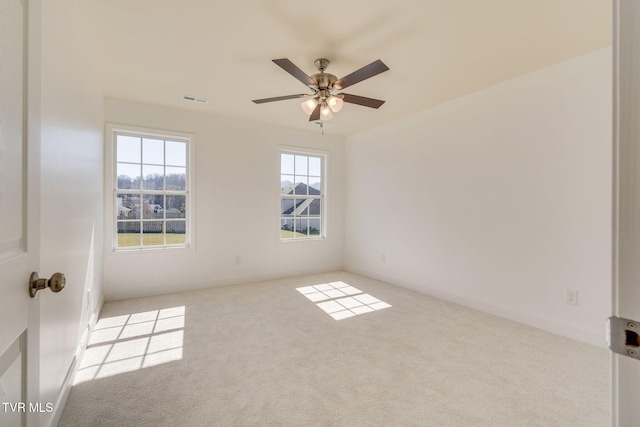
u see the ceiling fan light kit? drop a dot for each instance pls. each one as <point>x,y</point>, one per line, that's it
<point>322,103</point>
<point>335,103</point>
<point>325,112</point>
<point>309,105</point>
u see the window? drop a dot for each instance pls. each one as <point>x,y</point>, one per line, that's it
<point>151,198</point>
<point>301,196</point>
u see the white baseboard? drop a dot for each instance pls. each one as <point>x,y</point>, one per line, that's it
<point>69,380</point>
<point>163,289</point>
<point>96,313</point>
<point>58,407</point>
<point>556,326</point>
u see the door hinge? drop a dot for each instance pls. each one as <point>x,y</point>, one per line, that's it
<point>623,336</point>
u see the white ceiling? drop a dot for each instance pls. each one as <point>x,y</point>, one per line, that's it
<point>156,51</point>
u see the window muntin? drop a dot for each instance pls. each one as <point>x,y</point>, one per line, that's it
<point>301,196</point>
<point>151,191</point>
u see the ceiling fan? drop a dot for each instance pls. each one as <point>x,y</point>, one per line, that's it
<point>322,103</point>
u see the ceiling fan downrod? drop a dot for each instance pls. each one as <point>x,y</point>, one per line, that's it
<point>323,81</point>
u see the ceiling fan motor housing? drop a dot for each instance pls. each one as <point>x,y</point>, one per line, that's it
<point>324,81</point>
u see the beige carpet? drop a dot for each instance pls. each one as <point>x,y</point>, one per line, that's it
<point>273,353</point>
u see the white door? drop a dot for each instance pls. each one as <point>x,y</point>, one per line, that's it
<point>19,219</point>
<point>626,266</point>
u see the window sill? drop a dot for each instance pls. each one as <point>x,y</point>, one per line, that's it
<point>152,250</point>
<point>310,239</point>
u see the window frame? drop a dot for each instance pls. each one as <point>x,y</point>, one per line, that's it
<point>111,190</point>
<point>323,155</point>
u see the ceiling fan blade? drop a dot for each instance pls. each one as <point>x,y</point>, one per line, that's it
<point>280,98</point>
<point>296,72</point>
<point>361,100</point>
<point>363,73</point>
<point>315,115</point>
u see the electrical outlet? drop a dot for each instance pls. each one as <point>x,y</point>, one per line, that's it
<point>383,258</point>
<point>238,260</point>
<point>571,297</point>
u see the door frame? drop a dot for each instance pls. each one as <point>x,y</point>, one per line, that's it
<point>625,371</point>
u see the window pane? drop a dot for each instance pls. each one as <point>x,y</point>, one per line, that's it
<point>286,207</point>
<point>128,176</point>
<point>301,227</point>
<point>286,164</point>
<point>176,233</point>
<point>315,186</point>
<point>301,185</point>
<point>286,229</point>
<point>315,166</point>
<point>176,153</point>
<point>152,239</point>
<point>286,184</point>
<point>128,206</point>
<point>128,149</point>
<point>302,206</point>
<point>176,178</point>
<point>301,165</point>
<point>128,234</point>
<point>154,206</point>
<point>153,177</point>
<point>176,206</point>
<point>314,227</point>
<point>315,208</point>
<point>153,151</point>
<point>128,224</point>
<point>153,233</point>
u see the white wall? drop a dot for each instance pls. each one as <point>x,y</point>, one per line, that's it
<point>236,207</point>
<point>499,200</point>
<point>71,194</point>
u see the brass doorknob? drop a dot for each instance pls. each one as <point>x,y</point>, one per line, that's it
<point>56,283</point>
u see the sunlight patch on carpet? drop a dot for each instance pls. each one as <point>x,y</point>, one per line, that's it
<point>131,342</point>
<point>341,300</point>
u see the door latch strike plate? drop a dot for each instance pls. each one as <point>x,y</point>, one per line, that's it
<point>623,336</point>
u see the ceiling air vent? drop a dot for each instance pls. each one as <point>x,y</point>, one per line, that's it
<point>194,99</point>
